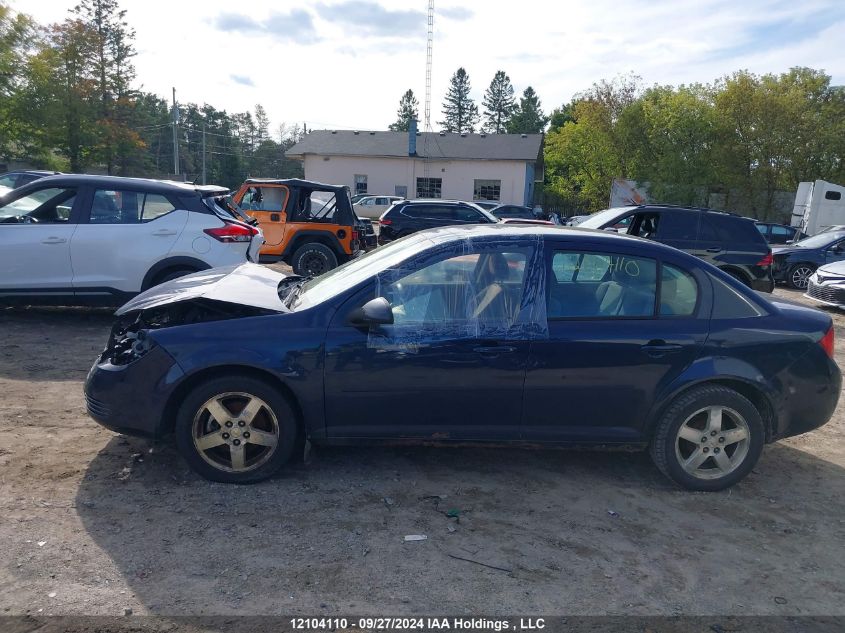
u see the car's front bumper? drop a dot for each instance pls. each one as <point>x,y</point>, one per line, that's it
<point>829,292</point>
<point>131,398</point>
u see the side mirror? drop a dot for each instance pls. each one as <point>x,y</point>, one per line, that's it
<point>375,312</point>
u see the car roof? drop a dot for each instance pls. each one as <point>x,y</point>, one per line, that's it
<point>574,233</point>
<point>434,201</point>
<point>297,182</point>
<point>33,172</point>
<point>683,208</point>
<point>148,184</point>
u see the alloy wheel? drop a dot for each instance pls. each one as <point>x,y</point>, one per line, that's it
<point>801,276</point>
<point>235,432</point>
<point>712,442</point>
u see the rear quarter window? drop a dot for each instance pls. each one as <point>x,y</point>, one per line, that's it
<point>730,304</point>
<point>735,229</point>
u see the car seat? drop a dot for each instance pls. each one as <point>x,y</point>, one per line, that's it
<point>492,300</point>
<point>630,290</point>
<point>104,210</point>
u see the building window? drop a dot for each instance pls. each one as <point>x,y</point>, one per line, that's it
<point>487,190</point>
<point>429,187</point>
<point>360,183</point>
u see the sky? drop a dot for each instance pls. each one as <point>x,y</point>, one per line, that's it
<point>344,64</point>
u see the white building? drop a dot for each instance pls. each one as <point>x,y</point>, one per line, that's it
<point>497,167</point>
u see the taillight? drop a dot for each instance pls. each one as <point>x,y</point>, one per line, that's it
<point>355,236</point>
<point>385,222</point>
<point>827,342</point>
<point>230,233</point>
<point>768,260</point>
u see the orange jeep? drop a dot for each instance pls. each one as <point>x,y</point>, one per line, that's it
<point>308,225</point>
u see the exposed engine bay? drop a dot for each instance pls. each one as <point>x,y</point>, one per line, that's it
<point>128,340</point>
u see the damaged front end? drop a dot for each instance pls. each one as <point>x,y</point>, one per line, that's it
<point>129,339</point>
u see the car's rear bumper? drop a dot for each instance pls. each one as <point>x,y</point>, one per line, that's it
<point>131,398</point>
<point>763,285</point>
<point>812,385</point>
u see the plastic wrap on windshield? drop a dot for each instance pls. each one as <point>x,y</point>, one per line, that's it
<point>466,289</point>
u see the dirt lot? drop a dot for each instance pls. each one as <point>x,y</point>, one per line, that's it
<point>94,523</point>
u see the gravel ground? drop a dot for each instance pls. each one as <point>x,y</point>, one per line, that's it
<point>95,523</point>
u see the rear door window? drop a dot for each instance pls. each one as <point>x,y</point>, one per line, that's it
<point>678,292</point>
<point>601,285</point>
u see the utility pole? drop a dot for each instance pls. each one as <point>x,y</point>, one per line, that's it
<point>175,135</point>
<point>203,152</point>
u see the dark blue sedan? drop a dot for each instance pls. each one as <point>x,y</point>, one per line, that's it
<point>485,333</point>
<point>795,263</point>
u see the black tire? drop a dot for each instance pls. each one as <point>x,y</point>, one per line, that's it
<point>667,448</point>
<point>799,274</point>
<point>313,259</point>
<point>171,274</point>
<point>210,463</point>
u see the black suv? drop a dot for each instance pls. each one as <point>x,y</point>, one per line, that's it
<point>410,216</point>
<point>726,240</point>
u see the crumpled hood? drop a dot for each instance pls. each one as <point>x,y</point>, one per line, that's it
<point>245,284</point>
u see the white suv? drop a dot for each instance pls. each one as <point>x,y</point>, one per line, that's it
<point>100,239</point>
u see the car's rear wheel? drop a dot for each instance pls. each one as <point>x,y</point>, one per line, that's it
<point>799,276</point>
<point>313,259</point>
<point>708,439</point>
<point>236,429</point>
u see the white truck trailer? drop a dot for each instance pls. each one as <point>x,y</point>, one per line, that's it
<point>818,206</point>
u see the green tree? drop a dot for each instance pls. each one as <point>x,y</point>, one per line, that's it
<point>408,111</point>
<point>109,62</point>
<point>460,114</point>
<point>528,117</point>
<point>499,103</point>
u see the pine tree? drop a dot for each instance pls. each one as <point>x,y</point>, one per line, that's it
<point>499,104</point>
<point>459,110</point>
<point>110,62</point>
<point>529,117</point>
<point>408,110</point>
<point>262,124</point>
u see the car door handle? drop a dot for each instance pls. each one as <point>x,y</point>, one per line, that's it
<point>714,249</point>
<point>54,240</point>
<point>164,233</point>
<point>494,349</point>
<point>660,347</point>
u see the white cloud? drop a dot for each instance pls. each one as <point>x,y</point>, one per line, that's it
<point>345,63</point>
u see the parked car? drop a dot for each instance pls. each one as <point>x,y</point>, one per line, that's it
<point>308,225</point>
<point>727,241</point>
<point>795,263</point>
<point>827,284</point>
<point>775,233</point>
<point>513,211</point>
<point>15,179</point>
<point>367,234</point>
<point>485,333</point>
<point>74,239</point>
<point>372,207</point>
<point>410,216</point>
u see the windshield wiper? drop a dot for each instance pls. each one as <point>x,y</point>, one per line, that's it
<point>290,287</point>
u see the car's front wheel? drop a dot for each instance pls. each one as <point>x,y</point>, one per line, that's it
<point>236,429</point>
<point>708,439</point>
<point>799,276</point>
